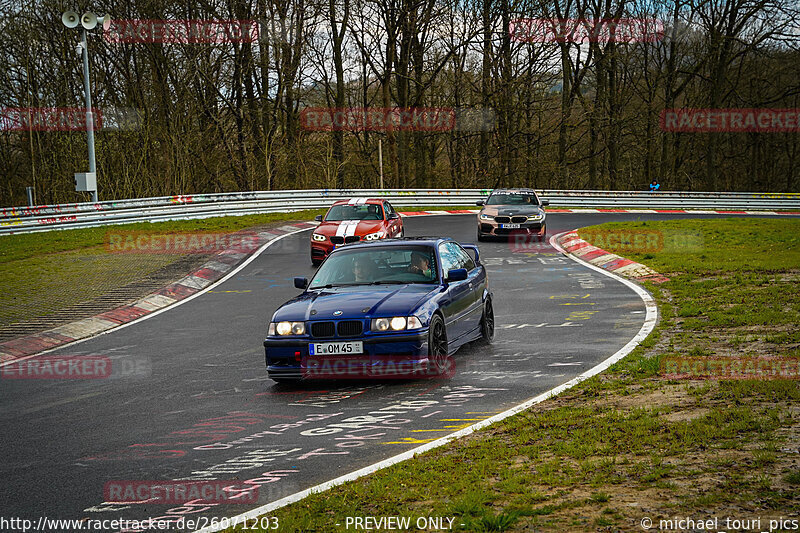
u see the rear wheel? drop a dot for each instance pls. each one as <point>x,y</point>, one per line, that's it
<point>437,345</point>
<point>487,322</point>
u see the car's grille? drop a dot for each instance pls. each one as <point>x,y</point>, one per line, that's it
<point>349,328</point>
<point>322,329</point>
<point>341,240</point>
<point>518,220</point>
<point>502,220</point>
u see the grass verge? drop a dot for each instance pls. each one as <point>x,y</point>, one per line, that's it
<point>630,444</point>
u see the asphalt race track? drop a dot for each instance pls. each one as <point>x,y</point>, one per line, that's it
<point>193,400</point>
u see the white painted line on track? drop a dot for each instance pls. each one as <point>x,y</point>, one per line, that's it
<point>173,306</point>
<point>649,323</point>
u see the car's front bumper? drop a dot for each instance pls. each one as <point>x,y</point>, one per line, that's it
<point>492,228</point>
<point>320,250</point>
<point>397,355</point>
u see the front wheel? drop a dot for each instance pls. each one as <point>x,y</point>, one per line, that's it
<point>437,346</point>
<point>481,238</point>
<point>487,322</point>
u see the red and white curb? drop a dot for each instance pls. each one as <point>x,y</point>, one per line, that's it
<point>574,245</point>
<point>199,281</point>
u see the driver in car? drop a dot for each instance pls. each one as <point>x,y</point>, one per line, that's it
<point>363,269</point>
<point>420,264</point>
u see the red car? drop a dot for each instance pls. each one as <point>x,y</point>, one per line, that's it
<point>354,220</point>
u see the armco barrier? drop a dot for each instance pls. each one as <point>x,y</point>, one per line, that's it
<point>82,215</point>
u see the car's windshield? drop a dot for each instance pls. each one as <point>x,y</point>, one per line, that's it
<point>377,266</point>
<point>512,199</point>
<point>355,212</point>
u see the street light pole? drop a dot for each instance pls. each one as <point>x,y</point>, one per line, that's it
<point>89,115</point>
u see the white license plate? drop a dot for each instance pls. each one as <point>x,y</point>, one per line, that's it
<point>335,348</point>
<point>510,226</point>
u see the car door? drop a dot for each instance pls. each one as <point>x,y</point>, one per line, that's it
<point>457,307</point>
<point>394,225</point>
<point>476,280</point>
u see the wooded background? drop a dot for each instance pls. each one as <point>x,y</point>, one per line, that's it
<point>225,117</point>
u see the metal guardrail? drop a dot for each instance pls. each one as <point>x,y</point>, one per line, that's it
<point>83,215</point>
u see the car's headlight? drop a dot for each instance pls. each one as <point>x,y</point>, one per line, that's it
<point>287,328</point>
<point>317,237</point>
<point>396,323</point>
<point>374,236</point>
<point>537,216</point>
<point>486,217</point>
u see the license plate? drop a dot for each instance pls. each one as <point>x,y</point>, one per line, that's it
<point>335,348</point>
<point>510,226</point>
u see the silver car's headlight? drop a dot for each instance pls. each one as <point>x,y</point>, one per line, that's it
<point>317,237</point>
<point>287,328</point>
<point>397,323</point>
<point>538,216</point>
<point>486,217</point>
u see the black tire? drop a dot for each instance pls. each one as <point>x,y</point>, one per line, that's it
<point>543,236</point>
<point>402,233</point>
<point>315,263</point>
<point>487,322</point>
<point>481,237</point>
<point>437,346</point>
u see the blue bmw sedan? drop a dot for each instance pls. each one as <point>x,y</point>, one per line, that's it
<point>389,308</point>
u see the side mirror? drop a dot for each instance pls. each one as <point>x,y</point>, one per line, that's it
<point>480,202</point>
<point>393,216</point>
<point>457,274</point>
<point>301,283</point>
<point>318,218</point>
<point>545,202</point>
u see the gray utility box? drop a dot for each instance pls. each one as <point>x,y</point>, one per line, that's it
<point>85,181</point>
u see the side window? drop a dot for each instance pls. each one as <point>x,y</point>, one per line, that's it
<point>467,261</point>
<point>449,259</point>
<point>389,208</point>
<point>464,260</point>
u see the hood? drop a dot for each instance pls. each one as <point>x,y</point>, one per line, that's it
<point>346,228</point>
<point>355,302</point>
<point>511,210</point>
